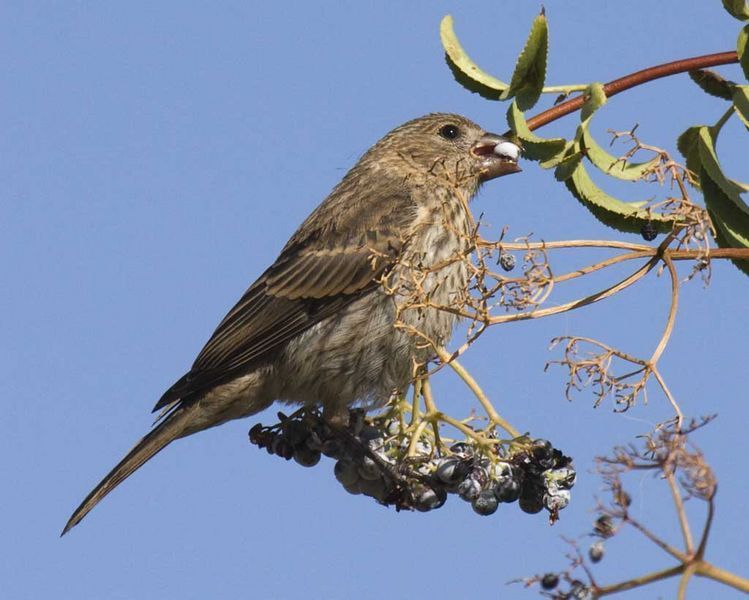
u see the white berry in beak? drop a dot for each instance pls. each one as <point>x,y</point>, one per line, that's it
<point>507,150</point>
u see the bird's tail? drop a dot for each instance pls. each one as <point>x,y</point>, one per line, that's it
<point>174,426</point>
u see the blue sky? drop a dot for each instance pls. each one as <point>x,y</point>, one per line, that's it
<point>155,158</point>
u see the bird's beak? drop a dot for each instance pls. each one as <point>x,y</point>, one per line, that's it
<point>498,155</point>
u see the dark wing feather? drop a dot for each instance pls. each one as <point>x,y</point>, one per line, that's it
<point>322,269</point>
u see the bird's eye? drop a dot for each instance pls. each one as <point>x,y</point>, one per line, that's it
<point>449,132</point>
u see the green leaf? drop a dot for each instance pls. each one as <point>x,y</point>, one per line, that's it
<point>596,98</point>
<point>729,213</point>
<point>688,145</point>
<point>731,224</point>
<point>737,8</point>
<point>567,166</point>
<point>608,163</point>
<point>624,216</point>
<point>534,147</point>
<point>712,83</point>
<point>741,103</point>
<point>711,165</point>
<point>552,162</point>
<point>466,72</point>
<point>725,241</point>
<point>530,70</point>
<point>742,50</point>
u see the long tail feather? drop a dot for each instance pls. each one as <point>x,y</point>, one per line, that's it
<point>172,427</point>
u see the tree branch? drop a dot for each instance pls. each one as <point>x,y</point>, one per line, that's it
<point>633,80</point>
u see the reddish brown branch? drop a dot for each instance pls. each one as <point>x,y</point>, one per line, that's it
<point>633,80</point>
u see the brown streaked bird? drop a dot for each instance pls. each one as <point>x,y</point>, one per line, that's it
<point>317,327</point>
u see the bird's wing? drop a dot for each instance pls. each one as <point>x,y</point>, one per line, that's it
<point>324,267</point>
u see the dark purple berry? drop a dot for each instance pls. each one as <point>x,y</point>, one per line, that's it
<point>563,479</point>
<point>283,448</point>
<point>296,433</point>
<point>368,433</point>
<point>596,552</point>
<point>485,503</point>
<point>507,489</point>
<point>270,442</point>
<point>314,441</point>
<point>461,448</point>
<point>368,469</point>
<point>556,501</point>
<point>507,261</point>
<point>543,453</point>
<point>451,470</point>
<point>323,431</point>
<point>331,448</point>
<point>353,488</point>
<point>649,231</point>
<point>306,457</point>
<point>375,488</point>
<point>531,498</point>
<point>579,591</point>
<point>469,489</point>
<point>550,581</point>
<point>256,434</point>
<point>427,498</point>
<point>480,474</point>
<point>346,472</point>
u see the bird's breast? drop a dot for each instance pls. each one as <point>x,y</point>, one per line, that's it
<point>433,274</point>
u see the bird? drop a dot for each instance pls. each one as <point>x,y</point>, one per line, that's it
<point>317,328</point>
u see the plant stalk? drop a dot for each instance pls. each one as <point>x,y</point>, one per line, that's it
<point>633,80</point>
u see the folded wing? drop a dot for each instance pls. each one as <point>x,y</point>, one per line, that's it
<point>322,269</point>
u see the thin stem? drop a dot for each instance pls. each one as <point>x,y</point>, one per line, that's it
<point>600,265</point>
<point>561,244</point>
<point>686,531</point>
<point>415,438</point>
<point>672,401</point>
<point>706,530</point>
<point>737,253</point>
<point>635,582</point>
<point>632,80</point>
<point>705,569</point>
<point>426,391</point>
<point>460,426</point>
<point>609,349</point>
<point>592,299</point>
<point>415,402</point>
<point>658,541</point>
<point>724,119</point>
<point>431,408</point>
<point>473,385</point>
<point>671,311</point>
<point>681,594</point>
<point>565,89</point>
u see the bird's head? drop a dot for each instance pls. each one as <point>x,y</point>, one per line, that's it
<point>449,147</point>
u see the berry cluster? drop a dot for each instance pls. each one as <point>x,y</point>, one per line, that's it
<point>530,472</point>
<point>378,458</point>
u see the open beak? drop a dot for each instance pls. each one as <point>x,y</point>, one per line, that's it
<point>499,156</point>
